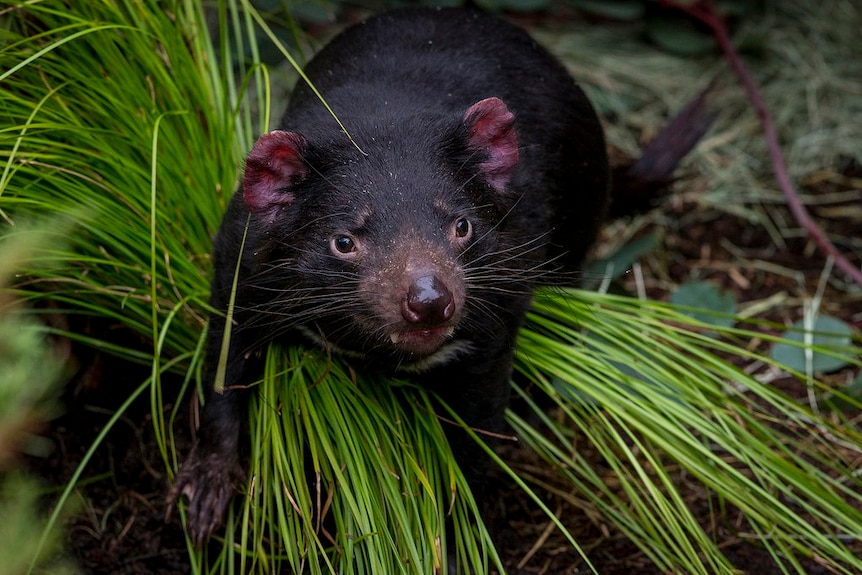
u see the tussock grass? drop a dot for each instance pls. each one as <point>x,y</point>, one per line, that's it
<point>312,507</point>
<point>125,112</point>
<point>135,116</point>
<point>640,382</point>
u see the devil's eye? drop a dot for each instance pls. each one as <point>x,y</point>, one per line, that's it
<point>463,229</point>
<point>343,244</point>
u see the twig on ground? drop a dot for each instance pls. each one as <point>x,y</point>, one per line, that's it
<point>705,12</point>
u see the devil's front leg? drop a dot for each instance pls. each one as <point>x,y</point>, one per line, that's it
<point>211,474</point>
<point>477,389</point>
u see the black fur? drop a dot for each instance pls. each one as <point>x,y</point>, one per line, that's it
<point>357,244</point>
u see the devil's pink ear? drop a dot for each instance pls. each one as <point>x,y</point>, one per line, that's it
<point>272,168</point>
<point>491,129</point>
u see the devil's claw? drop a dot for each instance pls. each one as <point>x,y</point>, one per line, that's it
<point>209,483</point>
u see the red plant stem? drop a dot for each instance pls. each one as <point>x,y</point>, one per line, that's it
<point>704,10</point>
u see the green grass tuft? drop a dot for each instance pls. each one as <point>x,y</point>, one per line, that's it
<point>644,385</point>
<point>352,475</point>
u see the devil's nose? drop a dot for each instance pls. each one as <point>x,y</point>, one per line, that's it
<point>428,302</point>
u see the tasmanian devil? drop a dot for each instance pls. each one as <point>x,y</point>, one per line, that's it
<point>470,170</point>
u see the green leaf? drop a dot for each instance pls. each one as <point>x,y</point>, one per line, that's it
<point>624,10</point>
<point>847,399</point>
<point>515,5</point>
<point>734,7</point>
<point>829,340</point>
<point>855,388</point>
<point>679,36</point>
<point>620,261</point>
<point>706,303</point>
